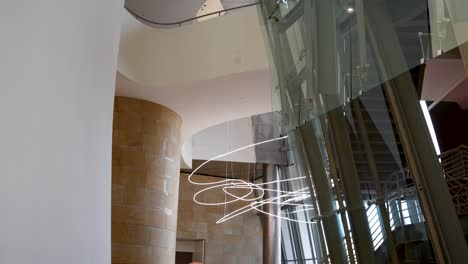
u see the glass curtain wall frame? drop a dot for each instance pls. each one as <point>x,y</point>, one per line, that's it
<point>336,69</point>
<point>383,209</point>
<point>302,242</point>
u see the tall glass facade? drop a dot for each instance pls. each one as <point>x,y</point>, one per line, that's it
<point>348,76</point>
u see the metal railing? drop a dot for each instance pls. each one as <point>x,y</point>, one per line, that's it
<point>455,168</point>
<point>186,21</point>
<point>402,206</point>
<point>455,165</point>
<point>401,198</point>
<point>408,211</point>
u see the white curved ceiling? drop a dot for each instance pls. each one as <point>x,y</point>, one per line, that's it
<point>206,103</point>
<point>208,72</point>
<point>205,50</point>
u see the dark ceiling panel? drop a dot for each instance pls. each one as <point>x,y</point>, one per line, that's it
<point>223,169</point>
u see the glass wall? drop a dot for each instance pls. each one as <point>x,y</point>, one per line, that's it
<point>449,25</point>
<point>303,237</point>
<point>328,52</point>
<point>350,109</point>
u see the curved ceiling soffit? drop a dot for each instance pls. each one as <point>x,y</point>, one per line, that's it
<point>206,74</point>
<point>162,57</point>
<point>165,11</point>
<point>174,11</point>
<point>206,103</point>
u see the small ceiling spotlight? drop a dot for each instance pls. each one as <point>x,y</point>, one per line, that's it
<point>350,10</point>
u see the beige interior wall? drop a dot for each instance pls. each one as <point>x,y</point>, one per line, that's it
<point>235,241</point>
<point>145,179</point>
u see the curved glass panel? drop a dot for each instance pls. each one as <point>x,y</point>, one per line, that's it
<point>349,105</point>
<point>328,52</point>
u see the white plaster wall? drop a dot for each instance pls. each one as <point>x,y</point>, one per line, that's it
<point>186,154</point>
<point>205,50</point>
<point>57,79</point>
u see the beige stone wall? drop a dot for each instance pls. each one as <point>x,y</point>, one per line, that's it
<point>145,178</point>
<point>237,241</point>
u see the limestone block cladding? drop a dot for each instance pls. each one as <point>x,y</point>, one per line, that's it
<point>238,240</point>
<point>145,182</point>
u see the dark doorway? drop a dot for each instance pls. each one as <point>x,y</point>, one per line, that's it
<point>184,257</point>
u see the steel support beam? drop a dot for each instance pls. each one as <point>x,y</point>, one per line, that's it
<point>338,192</point>
<point>322,189</point>
<point>441,218</point>
<point>304,169</point>
<point>384,215</point>
<point>352,188</point>
<point>271,225</point>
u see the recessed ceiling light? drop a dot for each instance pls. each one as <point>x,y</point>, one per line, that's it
<point>350,10</point>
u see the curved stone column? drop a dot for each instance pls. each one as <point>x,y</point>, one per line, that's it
<point>145,182</point>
